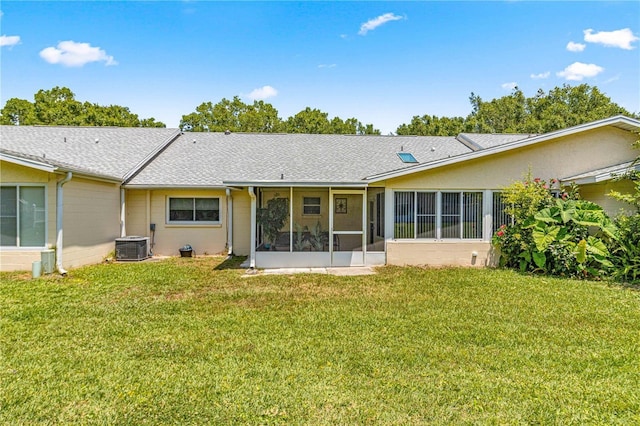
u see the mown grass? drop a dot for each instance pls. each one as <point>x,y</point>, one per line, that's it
<point>189,341</point>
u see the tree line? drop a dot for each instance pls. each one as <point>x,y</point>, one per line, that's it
<point>544,112</point>
<point>59,107</point>
<point>559,108</point>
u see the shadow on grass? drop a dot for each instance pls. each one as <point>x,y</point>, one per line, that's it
<point>232,262</point>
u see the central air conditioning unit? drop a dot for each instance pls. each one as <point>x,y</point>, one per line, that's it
<point>132,248</point>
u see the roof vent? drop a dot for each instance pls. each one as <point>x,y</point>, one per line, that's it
<point>194,141</point>
<point>97,140</point>
<point>227,132</point>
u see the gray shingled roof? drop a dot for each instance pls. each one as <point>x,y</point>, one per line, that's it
<point>488,140</point>
<point>604,173</point>
<point>118,150</point>
<point>215,158</point>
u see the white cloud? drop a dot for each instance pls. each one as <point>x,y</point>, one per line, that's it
<point>578,71</point>
<point>374,23</point>
<point>72,54</point>
<point>509,86</point>
<point>327,65</point>
<point>575,47</point>
<point>619,38</point>
<point>262,93</point>
<point>9,40</point>
<point>541,76</point>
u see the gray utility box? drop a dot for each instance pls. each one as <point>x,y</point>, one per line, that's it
<point>132,248</point>
<point>48,258</point>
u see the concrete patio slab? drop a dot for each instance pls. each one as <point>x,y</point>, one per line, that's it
<point>346,271</point>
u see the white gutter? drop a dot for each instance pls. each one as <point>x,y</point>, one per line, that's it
<point>27,163</point>
<point>287,184</point>
<point>123,227</point>
<point>252,253</point>
<point>59,211</point>
<point>229,222</point>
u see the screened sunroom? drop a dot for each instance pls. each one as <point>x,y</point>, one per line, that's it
<point>318,226</point>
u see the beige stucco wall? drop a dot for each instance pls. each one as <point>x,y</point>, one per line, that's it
<point>598,194</point>
<point>169,238</point>
<point>442,253</point>
<point>136,216</point>
<point>560,158</point>
<point>91,221</point>
<point>91,218</point>
<point>241,222</point>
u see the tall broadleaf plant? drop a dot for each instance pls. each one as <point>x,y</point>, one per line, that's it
<point>554,231</point>
<point>626,250</point>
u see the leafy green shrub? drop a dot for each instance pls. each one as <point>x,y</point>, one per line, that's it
<point>626,250</point>
<point>560,236</point>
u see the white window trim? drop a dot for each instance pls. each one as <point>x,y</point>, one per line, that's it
<point>170,222</point>
<point>485,214</point>
<point>46,217</point>
<point>319,205</point>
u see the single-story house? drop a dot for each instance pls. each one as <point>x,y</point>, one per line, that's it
<point>347,200</point>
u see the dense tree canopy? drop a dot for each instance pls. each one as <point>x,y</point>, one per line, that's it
<point>58,106</point>
<point>561,107</point>
<point>433,126</point>
<point>237,116</point>
<point>233,115</point>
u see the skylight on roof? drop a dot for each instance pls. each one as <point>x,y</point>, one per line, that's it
<point>407,157</point>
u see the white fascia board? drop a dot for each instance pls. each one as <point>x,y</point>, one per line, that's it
<point>37,165</point>
<point>141,186</point>
<point>601,177</point>
<point>28,163</point>
<point>284,184</point>
<point>613,121</point>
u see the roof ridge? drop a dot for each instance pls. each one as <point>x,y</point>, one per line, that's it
<point>151,156</point>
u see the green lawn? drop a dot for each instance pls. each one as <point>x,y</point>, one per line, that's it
<point>184,341</point>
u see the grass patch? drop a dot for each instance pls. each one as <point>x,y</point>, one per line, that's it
<point>188,340</point>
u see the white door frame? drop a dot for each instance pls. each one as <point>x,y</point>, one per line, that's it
<point>356,258</point>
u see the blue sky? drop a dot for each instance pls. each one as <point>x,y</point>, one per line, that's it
<point>381,62</point>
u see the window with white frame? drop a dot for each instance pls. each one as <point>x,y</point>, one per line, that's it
<point>438,215</point>
<point>193,210</point>
<point>311,205</point>
<point>23,216</point>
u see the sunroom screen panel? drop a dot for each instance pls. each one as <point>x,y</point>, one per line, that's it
<point>472,207</point>
<point>500,217</point>
<point>404,215</point>
<point>426,215</point>
<point>450,215</point>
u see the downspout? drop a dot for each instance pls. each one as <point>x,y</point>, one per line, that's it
<point>123,227</point>
<point>229,223</point>
<point>252,253</point>
<point>59,211</point>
